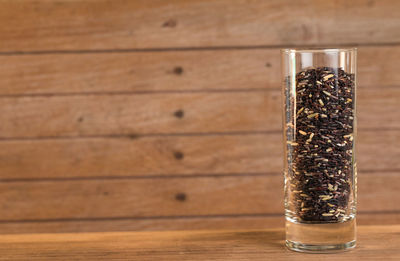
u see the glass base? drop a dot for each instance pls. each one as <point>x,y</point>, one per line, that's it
<point>320,238</point>
<point>295,246</point>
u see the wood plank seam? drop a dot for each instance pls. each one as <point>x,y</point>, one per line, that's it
<point>100,93</point>
<point>141,218</point>
<point>170,176</point>
<point>206,48</point>
<point>148,135</point>
<point>252,215</point>
<point>198,175</point>
<point>128,93</point>
<point>145,135</point>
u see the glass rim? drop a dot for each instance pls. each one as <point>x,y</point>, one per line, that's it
<point>319,50</point>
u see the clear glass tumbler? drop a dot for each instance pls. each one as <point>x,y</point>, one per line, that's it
<point>319,90</point>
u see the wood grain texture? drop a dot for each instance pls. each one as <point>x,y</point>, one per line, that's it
<point>154,114</point>
<point>95,115</point>
<point>159,197</point>
<point>122,114</point>
<point>378,150</point>
<point>139,71</point>
<point>374,243</point>
<point>205,70</point>
<point>141,197</point>
<point>30,25</point>
<point>219,222</point>
<point>146,156</point>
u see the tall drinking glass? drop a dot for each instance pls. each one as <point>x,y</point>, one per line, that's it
<point>319,90</point>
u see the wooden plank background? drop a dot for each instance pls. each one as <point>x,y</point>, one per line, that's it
<point>156,115</point>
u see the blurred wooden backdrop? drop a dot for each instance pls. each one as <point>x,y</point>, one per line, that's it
<point>156,114</point>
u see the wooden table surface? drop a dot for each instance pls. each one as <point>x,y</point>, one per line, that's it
<point>374,243</point>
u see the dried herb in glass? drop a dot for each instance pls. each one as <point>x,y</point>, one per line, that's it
<point>323,147</point>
